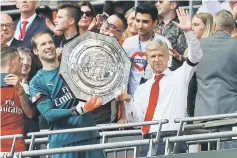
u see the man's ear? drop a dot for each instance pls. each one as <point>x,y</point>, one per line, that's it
<point>35,52</point>
<point>155,23</point>
<point>147,58</point>
<point>9,63</point>
<point>173,5</point>
<point>72,21</point>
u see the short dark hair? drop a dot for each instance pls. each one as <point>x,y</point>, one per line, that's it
<point>74,10</point>
<point>88,4</point>
<point>146,8</point>
<point>8,53</point>
<point>123,19</point>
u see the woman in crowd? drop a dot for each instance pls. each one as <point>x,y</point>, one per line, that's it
<point>26,61</point>
<point>88,13</point>
<point>30,125</point>
<point>202,28</point>
<point>132,29</point>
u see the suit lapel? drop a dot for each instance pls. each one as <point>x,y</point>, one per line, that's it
<point>34,25</point>
<point>16,22</point>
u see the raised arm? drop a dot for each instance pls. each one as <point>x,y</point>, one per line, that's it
<point>194,51</point>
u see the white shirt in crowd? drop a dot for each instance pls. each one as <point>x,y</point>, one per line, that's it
<point>213,6</point>
<point>172,101</point>
<point>138,57</point>
<point>19,26</point>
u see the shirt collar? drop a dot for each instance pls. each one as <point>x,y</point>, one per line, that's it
<point>10,41</point>
<point>30,19</point>
<point>166,72</point>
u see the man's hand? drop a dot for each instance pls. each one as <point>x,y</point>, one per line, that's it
<point>59,51</point>
<point>185,22</point>
<point>96,23</point>
<point>14,80</point>
<point>124,96</point>
<point>50,25</point>
<point>92,103</point>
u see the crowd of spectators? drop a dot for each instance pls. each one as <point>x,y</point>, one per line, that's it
<point>180,65</point>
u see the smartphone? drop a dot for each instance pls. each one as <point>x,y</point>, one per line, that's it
<point>3,84</point>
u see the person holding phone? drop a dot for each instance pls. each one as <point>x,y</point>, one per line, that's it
<point>14,101</point>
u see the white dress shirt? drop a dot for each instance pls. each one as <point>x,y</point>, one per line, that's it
<point>19,26</point>
<point>172,101</point>
<point>10,42</point>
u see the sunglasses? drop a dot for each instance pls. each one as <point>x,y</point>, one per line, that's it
<point>87,13</point>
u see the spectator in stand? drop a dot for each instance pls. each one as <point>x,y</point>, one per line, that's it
<point>202,24</point>
<point>14,101</point>
<point>216,73</point>
<point>66,22</point>
<point>132,29</point>
<point>88,13</point>
<point>29,23</point>
<point>57,105</point>
<point>7,30</point>
<point>115,25</point>
<point>146,21</point>
<point>30,125</point>
<point>167,11</point>
<point>165,95</point>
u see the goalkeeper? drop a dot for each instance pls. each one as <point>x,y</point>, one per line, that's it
<point>56,103</point>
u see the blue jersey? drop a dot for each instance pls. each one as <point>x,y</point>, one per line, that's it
<point>56,105</point>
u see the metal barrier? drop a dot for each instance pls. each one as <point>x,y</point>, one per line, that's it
<point>14,137</point>
<point>91,147</point>
<point>205,122</point>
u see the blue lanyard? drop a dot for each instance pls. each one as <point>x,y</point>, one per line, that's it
<point>140,49</point>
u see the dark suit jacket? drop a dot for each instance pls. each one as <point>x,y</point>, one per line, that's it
<point>16,43</point>
<point>217,76</point>
<point>38,25</point>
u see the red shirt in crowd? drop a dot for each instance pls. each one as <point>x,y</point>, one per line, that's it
<point>12,119</point>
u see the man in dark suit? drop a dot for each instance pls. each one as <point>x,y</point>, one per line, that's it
<point>216,72</point>
<point>7,30</point>
<point>29,23</point>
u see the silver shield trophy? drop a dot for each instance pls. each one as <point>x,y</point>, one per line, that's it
<point>95,64</point>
